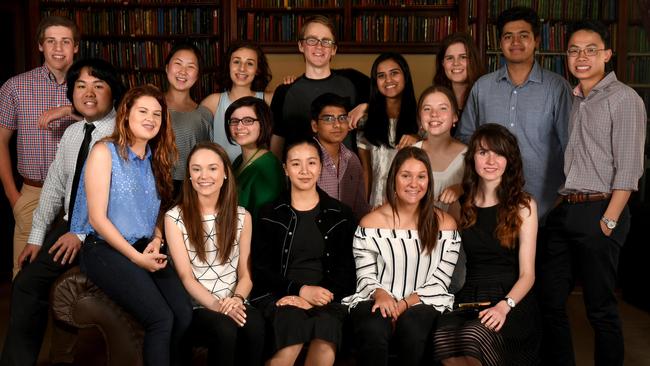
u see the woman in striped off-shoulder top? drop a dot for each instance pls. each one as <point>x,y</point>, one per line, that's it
<point>405,252</point>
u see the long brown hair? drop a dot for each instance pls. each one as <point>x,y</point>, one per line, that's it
<point>163,146</point>
<point>225,222</point>
<point>510,191</point>
<point>474,65</point>
<point>427,216</point>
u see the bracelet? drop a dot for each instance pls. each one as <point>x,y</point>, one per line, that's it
<point>240,297</point>
<point>406,302</point>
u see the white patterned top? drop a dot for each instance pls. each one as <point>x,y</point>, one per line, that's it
<point>393,261</point>
<point>381,157</point>
<point>219,278</point>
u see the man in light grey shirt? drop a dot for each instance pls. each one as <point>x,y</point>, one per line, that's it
<point>533,103</point>
<point>94,90</point>
<point>603,163</point>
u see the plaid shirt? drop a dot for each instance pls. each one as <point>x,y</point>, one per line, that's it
<point>23,98</point>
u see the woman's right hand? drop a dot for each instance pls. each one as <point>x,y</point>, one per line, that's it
<point>234,308</point>
<point>385,303</point>
<point>316,295</point>
<point>151,261</point>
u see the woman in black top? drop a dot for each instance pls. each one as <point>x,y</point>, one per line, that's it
<point>302,263</point>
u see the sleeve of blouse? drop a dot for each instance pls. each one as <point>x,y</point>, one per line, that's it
<point>365,253</point>
<point>435,291</point>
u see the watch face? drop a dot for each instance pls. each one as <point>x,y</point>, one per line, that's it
<point>510,302</point>
<point>611,225</point>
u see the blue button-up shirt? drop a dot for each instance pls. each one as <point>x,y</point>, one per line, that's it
<point>537,112</point>
<point>133,202</point>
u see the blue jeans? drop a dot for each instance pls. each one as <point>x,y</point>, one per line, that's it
<point>157,300</point>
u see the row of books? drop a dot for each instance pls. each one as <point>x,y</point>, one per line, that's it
<point>637,39</point>
<point>403,2</point>
<point>638,70</point>
<point>145,54</point>
<point>288,3</point>
<point>138,22</point>
<point>275,27</point>
<point>560,9</point>
<point>403,29</point>
<point>553,36</point>
<point>134,2</point>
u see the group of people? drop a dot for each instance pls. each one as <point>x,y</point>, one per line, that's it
<point>259,226</point>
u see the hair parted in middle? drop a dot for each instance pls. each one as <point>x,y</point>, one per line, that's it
<point>262,77</point>
<point>475,67</point>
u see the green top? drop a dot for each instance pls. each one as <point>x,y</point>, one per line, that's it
<point>261,182</point>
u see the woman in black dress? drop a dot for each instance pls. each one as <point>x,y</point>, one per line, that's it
<point>302,263</point>
<point>499,229</point>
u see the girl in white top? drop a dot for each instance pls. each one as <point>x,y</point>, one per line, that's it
<point>247,74</point>
<point>209,239</point>
<point>437,114</point>
<point>405,252</point>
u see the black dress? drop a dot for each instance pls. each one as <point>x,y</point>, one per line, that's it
<point>492,270</point>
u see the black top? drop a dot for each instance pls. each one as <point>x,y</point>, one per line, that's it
<point>306,260</point>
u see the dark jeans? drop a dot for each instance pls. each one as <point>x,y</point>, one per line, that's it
<point>576,246</point>
<point>413,334</point>
<point>30,299</point>
<point>157,300</point>
<point>229,344</point>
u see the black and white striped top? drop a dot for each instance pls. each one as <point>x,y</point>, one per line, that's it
<point>393,260</point>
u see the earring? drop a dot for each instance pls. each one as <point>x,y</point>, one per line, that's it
<point>225,177</point>
<point>190,178</point>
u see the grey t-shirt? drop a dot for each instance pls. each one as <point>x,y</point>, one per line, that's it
<point>189,128</point>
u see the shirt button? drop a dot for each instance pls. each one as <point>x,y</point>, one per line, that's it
<point>325,236</point>
<point>514,92</point>
<point>290,233</point>
<point>513,108</point>
<point>286,250</point>
<point>512,125</point>
<point>327,254</point>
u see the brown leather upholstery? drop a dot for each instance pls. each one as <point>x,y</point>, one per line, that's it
<point>78,302</point>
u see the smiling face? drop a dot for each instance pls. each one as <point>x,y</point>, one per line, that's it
<point>588,69</point>
<point>518,42</point>
<point>242,134</point>
<point>243,67</point>
<point>437,115</point>
<point>455,63</point>
<point>145,118</point>
<point>489,165</point>
<point>411,181</point>
<point>390,79</point>
<point>92,97</point>
<point>331,132</point>
<point>207,172</point>
<point>182,70</point>
<point>317,56</point>
<point>303,167</point>
<point>58,48</point>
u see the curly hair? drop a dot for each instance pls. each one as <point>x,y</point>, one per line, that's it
<point>510,191</point>
<point>163,146</point>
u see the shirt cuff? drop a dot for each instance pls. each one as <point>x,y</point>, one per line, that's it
<point>81,237</point>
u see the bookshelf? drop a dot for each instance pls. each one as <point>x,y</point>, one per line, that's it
<point>364,26</point>
<point>136,35</point>
<point>637,36</point>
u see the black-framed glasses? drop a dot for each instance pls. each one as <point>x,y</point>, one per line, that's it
<point>328,118</point>
<point>311,41</point>
<point>246,121</point>
<point>589,51</point>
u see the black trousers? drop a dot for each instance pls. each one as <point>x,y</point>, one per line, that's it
<point>576,246</point>
<point>413,334</point>
<point>30,300</point>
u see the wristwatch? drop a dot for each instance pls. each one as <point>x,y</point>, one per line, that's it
<point>611,224</point>
<point>510,302</point>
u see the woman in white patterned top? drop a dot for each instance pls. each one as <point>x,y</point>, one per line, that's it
<point>209,239</point>
<point>405,253</point>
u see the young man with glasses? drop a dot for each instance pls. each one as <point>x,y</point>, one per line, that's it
<point>602,163</point>
<point>341,175</point>
<point>291,103</point>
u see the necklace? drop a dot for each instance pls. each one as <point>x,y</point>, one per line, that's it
<point>248,162</point>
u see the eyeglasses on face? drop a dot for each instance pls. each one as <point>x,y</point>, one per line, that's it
<point>246,121</point>
<point>328,118</point>
<point>589,51</point>
<point>311,41</point>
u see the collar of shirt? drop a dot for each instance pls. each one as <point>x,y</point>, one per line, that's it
<point>49,75</point>
<point>602,84</point>
<point>109,118</point>
<point>344,154</point>
<point>534,76</point>
<point>134,156</point>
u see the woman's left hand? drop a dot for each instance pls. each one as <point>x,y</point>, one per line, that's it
<point>153,246</point>
<point>234,307</point>
<point>451,194</point>
<point>296,301</point>
<point>495,316</point>
<point>407,140</point>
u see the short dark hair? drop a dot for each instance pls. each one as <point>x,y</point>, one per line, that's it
<point>328,100</point>
<point>180,46</point>
<point>515,13</point>
<point>263,76</point>
<point>55,20</point>
<point>592,26</point>
<point>263,114</point>
<point>102,70</point>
